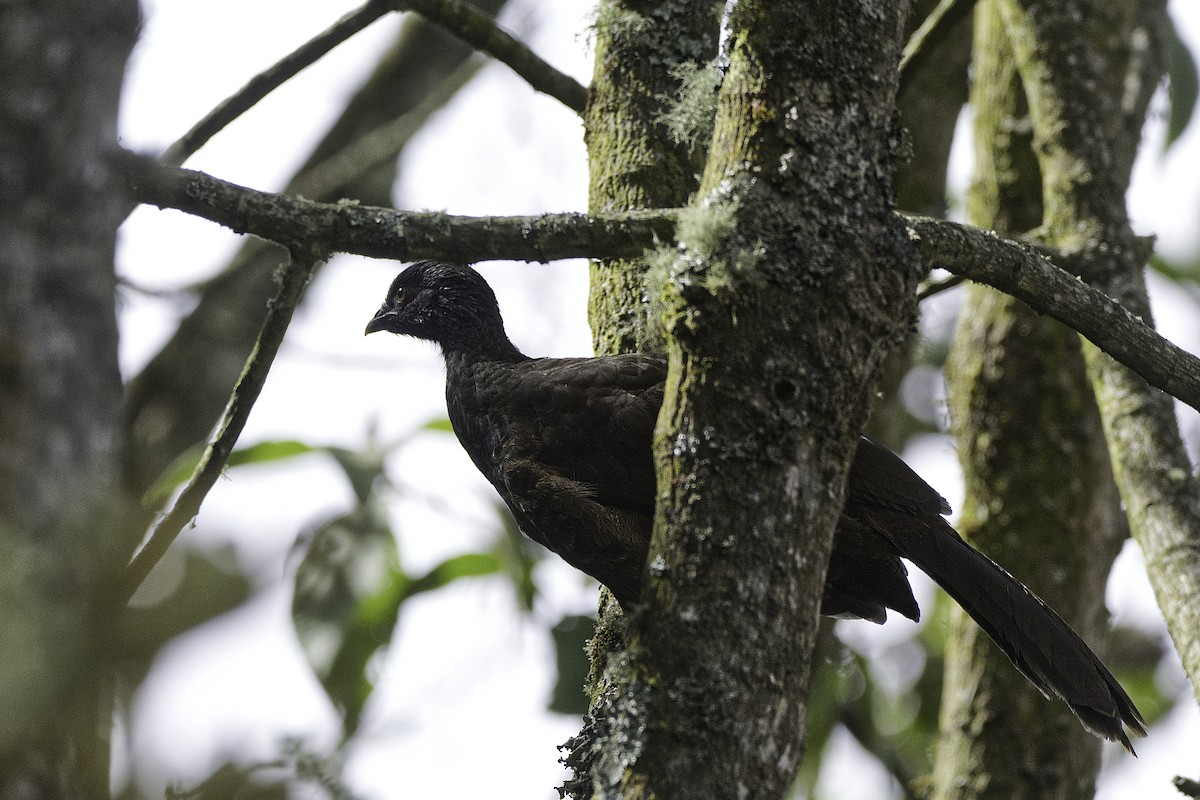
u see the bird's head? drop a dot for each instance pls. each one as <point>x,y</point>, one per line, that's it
<point>450,304</point>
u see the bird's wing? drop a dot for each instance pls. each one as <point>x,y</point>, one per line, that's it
<point>593,420</point>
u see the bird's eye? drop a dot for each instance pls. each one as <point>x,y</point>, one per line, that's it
<point>399,299</point>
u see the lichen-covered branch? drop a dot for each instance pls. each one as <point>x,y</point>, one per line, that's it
<point>349,227</point>
<point>1011,266</point>
<point>1020,270</point>
<point>1033,456</point>
<point>792,282</point>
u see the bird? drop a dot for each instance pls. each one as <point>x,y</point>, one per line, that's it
<point>567,443</point>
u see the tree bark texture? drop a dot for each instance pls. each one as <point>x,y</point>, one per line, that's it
<point>794,280</point>
<point>634,162</point>
<point>1081,139</point>
<point>60,203</point>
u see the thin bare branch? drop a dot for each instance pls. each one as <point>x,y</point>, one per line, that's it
<point>349,227</point>
<point>271,79</point>
<point>481,31</point>
<point>381,144</point>
<point>941,19</point>
<point>292,284</point>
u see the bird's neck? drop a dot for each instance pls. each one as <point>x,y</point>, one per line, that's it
<point>465,352</point>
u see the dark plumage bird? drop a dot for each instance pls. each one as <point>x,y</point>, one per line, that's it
<point>567,444</point>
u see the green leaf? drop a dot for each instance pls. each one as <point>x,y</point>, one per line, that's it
<point>276,450</point>
<point>173,476</point>
<point>439,424</point>
<point>1176,270</point>
<point>1184,84</point>
<point>468,565</point>
<point>349,588</point>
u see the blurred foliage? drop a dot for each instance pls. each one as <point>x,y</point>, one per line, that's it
<point>350,584</point>
<point>888,701</point>
<point>571,634</point>
<point>174,476</point>
<point>1186,273</point>
<point>349,588</point>
<point>1182,82</point>
<point>298,772</point>
<point>188,589</point>
<point>1135,657</point>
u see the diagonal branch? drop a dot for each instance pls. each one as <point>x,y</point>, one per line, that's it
<point>481,32</point>
<point>1085,141</point>
<point>941,19</point>
<point>271,79</point>
<point>349,227</point>
<point>293,282</point>
<point>1018,269</point>
<point>468,23</point>
<point>368,153</point>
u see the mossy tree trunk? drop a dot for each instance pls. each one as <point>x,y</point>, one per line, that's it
<point>1040,494</point>
<point>635,160</point>
<point>1070,66</point>
<point>793,282</point>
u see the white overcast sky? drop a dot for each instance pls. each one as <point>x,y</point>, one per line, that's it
<point>462,692</point>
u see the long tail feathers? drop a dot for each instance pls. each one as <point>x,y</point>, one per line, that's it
<point>1038,642</point>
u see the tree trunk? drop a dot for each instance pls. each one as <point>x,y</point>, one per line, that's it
<point>634,161</point>
<point>793,283</point>
<point>60,204</point>
<point>634,164</point>
<point>1082,139</point>
<point>1040,494</point>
